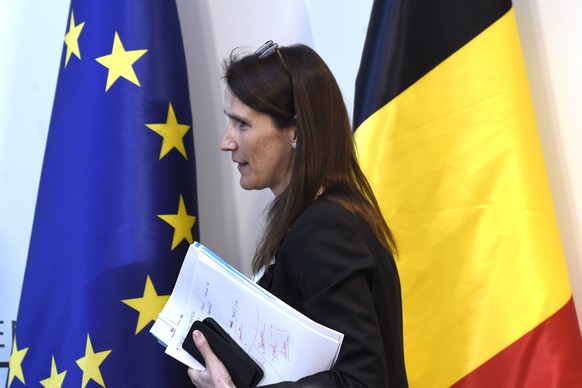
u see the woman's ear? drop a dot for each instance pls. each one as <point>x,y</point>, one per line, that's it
<point>294,139</point>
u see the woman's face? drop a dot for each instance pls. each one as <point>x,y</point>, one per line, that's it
<point>262,152</point>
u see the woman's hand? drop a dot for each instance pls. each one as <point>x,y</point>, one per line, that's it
<point>215,374</point>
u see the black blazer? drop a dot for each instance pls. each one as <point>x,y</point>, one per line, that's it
<point>332,268</point>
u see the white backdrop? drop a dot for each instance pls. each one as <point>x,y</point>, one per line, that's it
<point>31,39</point>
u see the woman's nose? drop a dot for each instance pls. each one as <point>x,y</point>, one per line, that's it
<point>228,143</point>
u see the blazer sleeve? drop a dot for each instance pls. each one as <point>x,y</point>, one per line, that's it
<point>335,274</point>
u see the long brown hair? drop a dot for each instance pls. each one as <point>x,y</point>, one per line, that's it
<point>294,86</point>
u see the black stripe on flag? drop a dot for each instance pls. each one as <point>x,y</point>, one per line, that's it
<point>408,38</point>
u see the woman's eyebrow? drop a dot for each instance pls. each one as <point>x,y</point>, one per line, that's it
<point>236,117</point>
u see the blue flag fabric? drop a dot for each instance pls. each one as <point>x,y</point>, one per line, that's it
<point>117,206</point>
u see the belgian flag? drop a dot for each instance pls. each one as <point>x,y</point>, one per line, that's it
<point>446,134</point>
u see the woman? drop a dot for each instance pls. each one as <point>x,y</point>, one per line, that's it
<point>326,250</point>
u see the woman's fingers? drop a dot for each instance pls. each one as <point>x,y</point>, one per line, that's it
<point>215,374</point>
<point>204,348</point>
<point>198,377</point>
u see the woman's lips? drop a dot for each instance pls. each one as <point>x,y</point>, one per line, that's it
<point>241,166</point>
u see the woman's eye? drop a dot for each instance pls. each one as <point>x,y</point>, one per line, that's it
<point>242,124</point>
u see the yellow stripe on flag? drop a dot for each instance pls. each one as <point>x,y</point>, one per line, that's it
<point>456,163</point>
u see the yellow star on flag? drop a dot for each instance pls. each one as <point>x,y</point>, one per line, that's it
<point>182,223</point>
<point>56,379</point>
<point>15,363</point>
<point>120,63</point>
<point>90,363</point>
<point>172,133</point>
<point>72,39</point>
<point>149,305</point>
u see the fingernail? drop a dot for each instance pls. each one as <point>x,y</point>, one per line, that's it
<point>196,334</point>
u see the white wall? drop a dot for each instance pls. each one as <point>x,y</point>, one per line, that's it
<point>550,34</point>
<point>31,38</point>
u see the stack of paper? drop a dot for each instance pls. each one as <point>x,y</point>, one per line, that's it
<point>286,344</point>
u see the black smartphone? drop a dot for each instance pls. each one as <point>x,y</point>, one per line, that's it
<point>243,370</point>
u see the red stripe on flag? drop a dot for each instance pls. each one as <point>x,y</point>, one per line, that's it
<point>548,356</point>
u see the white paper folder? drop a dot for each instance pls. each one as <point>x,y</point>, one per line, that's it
<point>285,343</point>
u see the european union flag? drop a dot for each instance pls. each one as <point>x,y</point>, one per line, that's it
<point>116,208</point>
